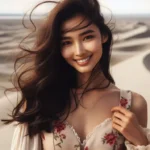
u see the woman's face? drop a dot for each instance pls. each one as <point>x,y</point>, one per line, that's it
<point>81,48</point>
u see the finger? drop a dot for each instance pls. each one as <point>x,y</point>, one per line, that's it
<point>117,127</point>
<point>120,116</point>
<point>122,110</point>
<point>117,121</point>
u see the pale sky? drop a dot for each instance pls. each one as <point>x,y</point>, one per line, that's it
<point>116,6</point>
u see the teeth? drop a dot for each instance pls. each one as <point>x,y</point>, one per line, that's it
<point>83,60</point>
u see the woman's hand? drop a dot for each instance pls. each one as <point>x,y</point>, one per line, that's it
<point>127,124</point>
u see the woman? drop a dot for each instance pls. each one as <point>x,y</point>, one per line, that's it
<point>69,98</point>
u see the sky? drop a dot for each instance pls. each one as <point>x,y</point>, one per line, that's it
<point>125,7</point>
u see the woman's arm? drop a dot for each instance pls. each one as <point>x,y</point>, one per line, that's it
<point>139,108</point>
<point>22,142</point>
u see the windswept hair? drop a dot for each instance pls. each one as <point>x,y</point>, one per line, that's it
<point>45,78</point>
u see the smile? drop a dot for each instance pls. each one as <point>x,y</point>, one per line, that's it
<point>83,61</point>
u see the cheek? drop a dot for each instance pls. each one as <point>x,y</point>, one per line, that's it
<point>94,46</point>
<point>66,54</point>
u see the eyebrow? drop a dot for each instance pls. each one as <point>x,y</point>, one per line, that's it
<point>81,34</point>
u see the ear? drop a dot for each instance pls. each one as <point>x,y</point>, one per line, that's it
<point>104,38</point>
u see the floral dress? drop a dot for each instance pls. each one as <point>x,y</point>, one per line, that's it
<point>64,136</point>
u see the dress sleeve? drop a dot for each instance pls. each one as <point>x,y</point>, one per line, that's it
<point>22,142</point>
<point>130,146</point>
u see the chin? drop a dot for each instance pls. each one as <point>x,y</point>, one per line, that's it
<point>84,70</point>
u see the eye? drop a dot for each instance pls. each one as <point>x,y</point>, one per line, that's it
<point>88,37</point>
<point>65,43</point>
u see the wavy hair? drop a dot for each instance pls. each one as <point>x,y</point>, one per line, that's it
<point>45,79</point>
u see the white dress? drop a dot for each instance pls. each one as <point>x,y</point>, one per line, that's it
<point>64,137</point>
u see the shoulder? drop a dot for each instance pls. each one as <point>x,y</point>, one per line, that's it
<point>138,102</point>
<point>139,108</point>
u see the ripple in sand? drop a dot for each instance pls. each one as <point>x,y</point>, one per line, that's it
<point>146,61</point>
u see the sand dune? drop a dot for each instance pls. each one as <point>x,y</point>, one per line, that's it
<point>146,61</point>
<point>130,33</point>
<point>132,43</point>
<point>133,74</point>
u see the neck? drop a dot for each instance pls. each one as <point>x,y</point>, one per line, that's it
<point>91,81</point>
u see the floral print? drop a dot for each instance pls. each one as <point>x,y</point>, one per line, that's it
<point>110,138</point>
<point>58,129</point>
<point>124,103</point>
<point>62,136</point>
<point>77,147</point>
<point>86,148</point>
<point>58,135</point>
<point>58,126</point>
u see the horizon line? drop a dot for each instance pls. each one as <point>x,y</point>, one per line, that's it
<point>40,14</point>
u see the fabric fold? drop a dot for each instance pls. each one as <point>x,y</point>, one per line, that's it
<point>22,142</point>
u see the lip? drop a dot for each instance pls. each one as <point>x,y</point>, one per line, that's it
<point>84,63</point>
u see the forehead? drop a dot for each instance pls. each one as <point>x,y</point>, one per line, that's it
<point>78,21</point>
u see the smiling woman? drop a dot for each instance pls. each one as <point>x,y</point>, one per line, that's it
<point>69,98</point>
<point>82,49</point>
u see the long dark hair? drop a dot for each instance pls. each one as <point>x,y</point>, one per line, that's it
<point>45,80</point>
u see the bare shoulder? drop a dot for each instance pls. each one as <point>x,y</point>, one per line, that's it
<point>138,102</point>
<point>139,108</point>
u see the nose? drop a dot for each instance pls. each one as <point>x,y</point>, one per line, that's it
<point>79,49</point>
